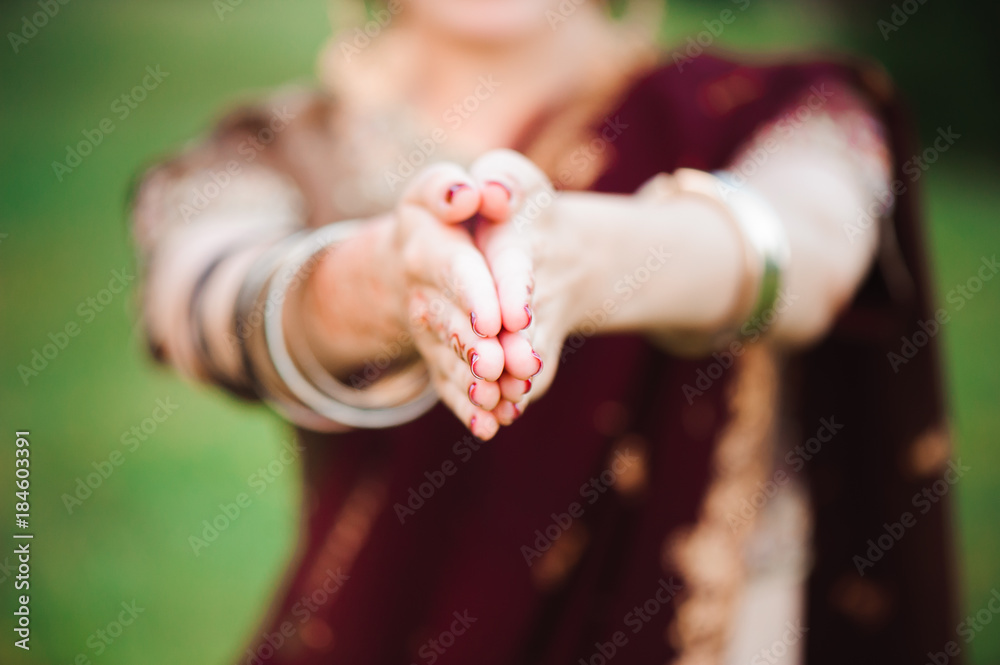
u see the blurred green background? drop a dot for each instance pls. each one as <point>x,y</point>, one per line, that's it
<point>61,241</point>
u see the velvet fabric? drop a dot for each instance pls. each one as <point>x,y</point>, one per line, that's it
<point>436,548</point>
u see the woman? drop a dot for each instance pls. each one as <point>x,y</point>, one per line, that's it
<point>721,434</point>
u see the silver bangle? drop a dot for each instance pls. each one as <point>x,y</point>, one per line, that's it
<point>411,391</point>
<point>765,242</point>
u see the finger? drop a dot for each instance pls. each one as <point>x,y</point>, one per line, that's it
<point>483,356</point>
<point>509,258</point>
<point>507,412</point>
<point>451,264</point>
<point>483,424</point>
<point>512,388</point>
<point>516,191</point>
<point>520,360</point>
<point>496,199</point>
<point>512,171</point>
<point>451,380</point>
<point>445,190</point>
<point>473,285</point>
<point>484,394</point>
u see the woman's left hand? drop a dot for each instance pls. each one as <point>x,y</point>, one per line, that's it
<point>675,266</point>
<point>539,271</point>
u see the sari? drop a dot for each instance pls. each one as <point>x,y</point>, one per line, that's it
<point>629,515</point>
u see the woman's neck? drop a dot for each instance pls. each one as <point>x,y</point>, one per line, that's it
<point>486,95</point>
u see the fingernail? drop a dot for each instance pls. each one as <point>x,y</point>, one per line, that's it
<point>472,320</point>
<point>472,428</point>
<point>527,386</point>
<point>473,359</point>
<point>527,310</point>
<point>472,395</point>
<point>517,411</point>
<point>453,190</point>
<point>539,359</point>
<point>505,187</point>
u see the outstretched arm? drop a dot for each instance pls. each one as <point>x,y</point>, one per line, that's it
<point>404,286</point>
<point>673,265</point>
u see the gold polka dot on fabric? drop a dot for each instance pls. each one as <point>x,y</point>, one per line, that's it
<point>723,96</point>
<point>611,418</point>
<point>562,556</point>
<point>316,635</point>
<point>928,454</point>
<point>878,82</point>
<point>630,464</point>
<point>863,601</point>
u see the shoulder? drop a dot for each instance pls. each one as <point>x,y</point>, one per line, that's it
<point>696,112</point>
<point>266,134</point>
<point>277,118</point>
<point>719,84</point>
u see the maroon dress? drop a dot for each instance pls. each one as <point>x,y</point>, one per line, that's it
<point>548,544</point>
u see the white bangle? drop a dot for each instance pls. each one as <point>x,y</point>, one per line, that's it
<point>765,242</point>
<point>412,392</point>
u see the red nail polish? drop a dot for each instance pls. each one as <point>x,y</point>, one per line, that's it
<point>472,320</point>
<point>527,310</point>
<point>517,411</point>
<point>453,190</point>
<point>472,395</point>
<point>539,359</point>
<point>473,359</point>
<point>505,187</point>
<point>527,386</point>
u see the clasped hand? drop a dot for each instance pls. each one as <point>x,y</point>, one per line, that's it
<point>470,246</point>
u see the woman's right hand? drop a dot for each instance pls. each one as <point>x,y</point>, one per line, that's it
<point>417,272</point>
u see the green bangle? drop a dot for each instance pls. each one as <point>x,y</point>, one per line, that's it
<point>765,243</point>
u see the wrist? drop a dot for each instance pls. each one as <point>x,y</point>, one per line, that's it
<point>384,269</point>
<point>351,304</point>
<point>589,247</point>
<point>293,378</point>
<point>667,265</point>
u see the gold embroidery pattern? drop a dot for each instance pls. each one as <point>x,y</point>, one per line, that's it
<point>709,554</point>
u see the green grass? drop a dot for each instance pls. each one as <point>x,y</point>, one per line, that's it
<point>129,540</point>
<point>963,208</point>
